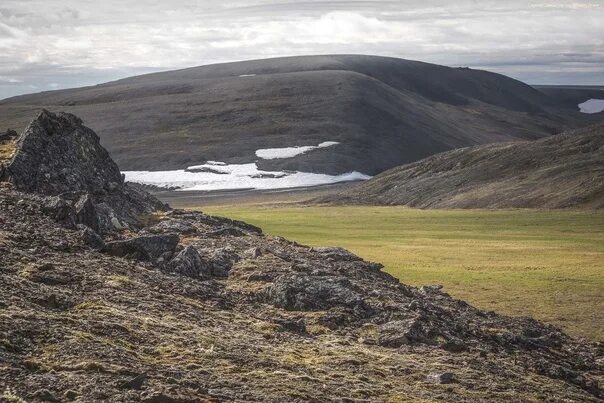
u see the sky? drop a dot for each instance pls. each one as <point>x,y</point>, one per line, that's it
<point>48,44</point>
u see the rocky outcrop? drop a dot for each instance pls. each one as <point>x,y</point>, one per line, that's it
<point>57,155</point>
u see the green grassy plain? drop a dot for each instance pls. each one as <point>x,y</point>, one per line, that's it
<point>546,264</point>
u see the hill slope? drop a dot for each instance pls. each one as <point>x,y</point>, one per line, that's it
<point>565,170</point>
<point>185,307</point>
<point>382,111</point>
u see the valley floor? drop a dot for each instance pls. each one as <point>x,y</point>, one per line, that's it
<point>546,264</point>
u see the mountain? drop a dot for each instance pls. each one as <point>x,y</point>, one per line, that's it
<point>382,111</point>
<point>565,170</point>
<point>180,306</point>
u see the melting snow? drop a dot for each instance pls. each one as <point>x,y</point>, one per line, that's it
<point>592,106</point>
<point>289,152</point>
<point>246,75</point>
<point>235,176</point>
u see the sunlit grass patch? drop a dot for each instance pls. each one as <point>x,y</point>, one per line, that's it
<point>546,264</point>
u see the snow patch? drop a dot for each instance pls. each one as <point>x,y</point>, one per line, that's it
<point>289,152</point>
<point>247,75</point>
<point>213,176</point>
<point>592,106</point>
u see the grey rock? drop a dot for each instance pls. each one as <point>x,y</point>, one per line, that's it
<point>57,154</point>
<point>404,331</point>
<point>189,263</point>
<point>135,383</point>
<point>220,260</point>
<point>86,213</point>
<point>226,231</point>
<point>91,238</point>
<point>173,225</point>
<point>440,378</point>
<point>300,292</point>
<point>60,210</point>
<point>337,254</point>
<point>45,395</point>
<point>454,345</point>
<point>143,247</point>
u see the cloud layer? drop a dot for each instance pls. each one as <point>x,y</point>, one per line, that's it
<point>47,44</point>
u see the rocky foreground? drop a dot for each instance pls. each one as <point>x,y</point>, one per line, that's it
<point>107,295</point>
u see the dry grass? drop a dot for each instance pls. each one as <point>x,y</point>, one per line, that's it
<point>7,149</point>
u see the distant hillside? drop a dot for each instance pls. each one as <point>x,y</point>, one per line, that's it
<point>383,111</point>
<point>561,171</point>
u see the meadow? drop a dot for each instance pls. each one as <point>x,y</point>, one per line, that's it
<point>545,264</point>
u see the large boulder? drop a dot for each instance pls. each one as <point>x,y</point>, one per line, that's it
<point>57,154</point>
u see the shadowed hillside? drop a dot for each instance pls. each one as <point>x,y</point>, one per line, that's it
<point>565,170</point>
<point>383,111</point>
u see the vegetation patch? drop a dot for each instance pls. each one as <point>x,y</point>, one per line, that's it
<point>546,264</point>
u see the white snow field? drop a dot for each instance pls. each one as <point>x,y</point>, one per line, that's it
<point>592,106</point>
<point>289,152</point>
<point>216,175</point>
<point>235,176</point>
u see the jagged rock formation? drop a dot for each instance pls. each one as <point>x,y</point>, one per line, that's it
<point>561,171</point>
<point>190,308</point>
<point>57,155</point>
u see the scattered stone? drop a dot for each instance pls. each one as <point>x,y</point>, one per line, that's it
<point>337,254</point>
<point>253,253</point>
<point>135,383</point>
<point>59,210</point>
<point>149,247</point>
<point>226,231</point>
<point>86,213</point>
<point>299,292</point>
<point>174,226</point>
<point>440,378</point>
<point>189,263</point>
<point>91,238</point>
<point>454,345</point>
<point>400,332</point>
<point>45,395</point>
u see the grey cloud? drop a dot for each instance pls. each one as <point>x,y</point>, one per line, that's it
<point>51,43</point>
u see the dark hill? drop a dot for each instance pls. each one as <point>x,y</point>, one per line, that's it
<point>383,111</point>
<point>565,170</point>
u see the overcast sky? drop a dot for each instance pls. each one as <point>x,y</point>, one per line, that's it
<point>48,44</point>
